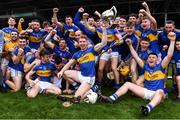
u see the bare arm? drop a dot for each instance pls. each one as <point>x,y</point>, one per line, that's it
<point>151,18</point>
<point>17,58</point>
<point>103,43</point>
<point>66,67</point>
<point>144,4</point>
<point>47,39</point>
<point>167,59</point>
<point>134,53</point>
<point>55,19</point>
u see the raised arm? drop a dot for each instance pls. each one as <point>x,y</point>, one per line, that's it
<point>151,18</point>
<point>134,53</point>
<point>103,42</point>
<point>167,59</point>
<point>144,4</point>
<point>47,39</point>
<point>55,19</point>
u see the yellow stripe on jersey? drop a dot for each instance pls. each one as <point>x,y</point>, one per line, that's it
<point>34,39</point>
<point>43,73</point>
<point>86,58</point>
<point>72,33</point>
<point>110,37</point>
<point>8,46</point>
<point>7,36</point>
<point>152,37</point>
<point>158,75</point>
<point>138,33</point>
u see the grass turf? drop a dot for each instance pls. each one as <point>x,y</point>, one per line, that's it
<point>18,106</point>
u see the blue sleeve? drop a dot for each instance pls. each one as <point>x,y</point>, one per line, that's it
<point>81,26</point>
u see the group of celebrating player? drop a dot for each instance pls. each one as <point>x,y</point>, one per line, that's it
<point>83,50</point>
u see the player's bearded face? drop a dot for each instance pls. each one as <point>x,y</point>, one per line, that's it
<point>169,27</point>
<point>83,43</point>
<point>152,60</point>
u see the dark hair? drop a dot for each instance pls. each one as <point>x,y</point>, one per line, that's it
<point>57,59</point>
<point>45,23</point>
<point>152,53</point>
<point>36,20</point>
<point>129,24</point>
<point>145,39</point>
<point>12,17</point>
<point>68,16</point>
<point>133,15</point>
<point>170,22</point>
<point>22,37</point>
<point>44,52</point>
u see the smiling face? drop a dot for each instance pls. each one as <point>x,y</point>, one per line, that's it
<point>83,43</point>
<point>14,36</point>
<point>152,60</point>
<point>145,24</point>
<point>144,45</point>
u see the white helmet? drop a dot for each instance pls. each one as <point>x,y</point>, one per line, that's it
<point>91,97</point>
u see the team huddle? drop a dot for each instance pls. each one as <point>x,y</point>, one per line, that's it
<point>83,50</point>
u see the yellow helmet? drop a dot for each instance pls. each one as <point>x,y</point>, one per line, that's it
<point>124,70</point>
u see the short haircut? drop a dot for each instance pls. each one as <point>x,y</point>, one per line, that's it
<point>36,20</point>
<point>45,23</point>
<point>170,22</point>
<point>145,39</point>
<point>133,15</point>
<point>22,37</point>
<point>153,53</point>
<point>68,16</point>
<point>57,59</point>
<point>44,52</point>
<point>130,24</point>
<point>12,17</point>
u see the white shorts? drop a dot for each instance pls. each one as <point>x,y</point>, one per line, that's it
<point>5,62</point>
<point>89,80</point>
<point>44,85</point>
<point>149,94</point>
<point>57,81</point>
<point>15,73</point>
<point>107,56</point>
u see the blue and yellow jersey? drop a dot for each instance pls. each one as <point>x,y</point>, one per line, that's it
<point>124,49</point>
<point>176,58</point>
<point>71,29</point>
<point>9,45</point>
<point>70,37</point>
<point>152,35</point>
<point>111,37</point>
<point>154,77</point>
<point>86,60</point>
<point>29,58</point>
<point>20,65</point>
<point>44,71</point>
<point>7,33</point>
<point>144,56</point>
<point>164,40</point>
<point>35,38</point>
<point>64,55</point>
